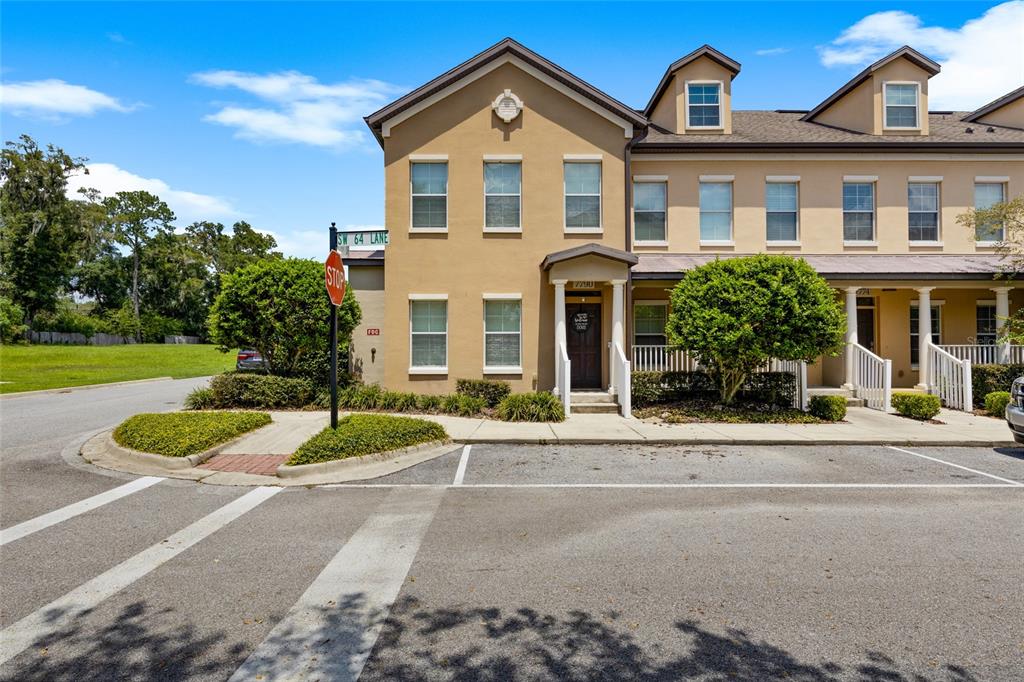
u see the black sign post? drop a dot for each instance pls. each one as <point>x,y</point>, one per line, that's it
<point>334,343</point>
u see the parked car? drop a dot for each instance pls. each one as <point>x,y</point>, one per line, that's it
<point>249,360</point>
<point>1015,410</point>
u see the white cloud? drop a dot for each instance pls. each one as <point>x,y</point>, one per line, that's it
<point>296,107</point>
<point>55,99</point>
<point>771,51</point>
<point>312,243</point>
<point>187,206</point>
<point>981,60</point>
<point>116,37</point>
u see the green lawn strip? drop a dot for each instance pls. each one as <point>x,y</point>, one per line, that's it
<point>696,412</point>
<point>33,368</point>
<point>364,434</point>
<point>180,434</point>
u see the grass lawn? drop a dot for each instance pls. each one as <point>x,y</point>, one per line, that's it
<point>31,368</point>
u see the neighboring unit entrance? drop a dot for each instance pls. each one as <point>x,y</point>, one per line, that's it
<point>866,322</point>
<point>583,343</point>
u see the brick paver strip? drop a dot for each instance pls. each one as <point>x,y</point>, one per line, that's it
<point>263,465</point>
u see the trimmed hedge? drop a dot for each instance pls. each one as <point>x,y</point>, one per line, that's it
<point>236,389</point>
<point>831,408</point>
<point>987,379</point>
<point>492,391</point>
<point>916,405</point>
<point>540,406</point>
<point>652,388</point>
<point>996,402</point>
<point>179,434</point>
<point>364,434</point>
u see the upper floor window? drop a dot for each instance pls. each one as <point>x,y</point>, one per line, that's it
<point>429,183</point>
<point>649,202</point>
<point>703,105</point>
<point>923,210</point>
<point>987,195</point>
<point>780,201</point>
<point>582,195</point>
<point>901,105</point>
<point>502,194</point>
<point>716,211</point>
<point>858,211</point>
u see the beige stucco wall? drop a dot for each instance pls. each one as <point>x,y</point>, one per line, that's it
<point>367,352</point>
<point>1011,115</point>
<point>820,219</point>
<point>670,111</point>
<point>862,109</point>
<point>465,262</point>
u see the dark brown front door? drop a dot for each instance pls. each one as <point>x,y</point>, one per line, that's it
<point>866,328</point>
<point>583,338</point>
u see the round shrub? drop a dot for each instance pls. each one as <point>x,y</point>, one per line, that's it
<point>539,406</point>
<point>996,402</point>
<point>830,408</point>
<point>916,405</point>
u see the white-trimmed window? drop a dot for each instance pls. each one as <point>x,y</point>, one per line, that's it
<point>915,338</point>
<point>649,320</point>
<point>858,211</point>
<point>781,202</point>
<point>503,319</point>
<point>582,195</point>
<point>716,212</point>
<point>649,211</point>
<point>429,182</point>
<point>503,195</point>
<point>985,324</point>
<point>901,105</point>
<point>703,104</point>
<point>428,329</point>
<point>987,195</point>
<point>923,211</point>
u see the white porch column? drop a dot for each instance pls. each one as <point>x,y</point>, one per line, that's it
<point>559,320</point>
<point>1002,312</point>
<point>851,334</point>
<point>924,334</point>
<point>618,328</point>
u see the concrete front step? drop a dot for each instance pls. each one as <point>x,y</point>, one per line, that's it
<point>594,408</point>
<point>591,397</point>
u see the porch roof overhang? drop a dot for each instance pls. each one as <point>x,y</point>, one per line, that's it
<point>600,250</point>
<point>849,267</point>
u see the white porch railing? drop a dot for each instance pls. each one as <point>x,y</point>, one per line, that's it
<point>563,377</point>
<point>622,379</point>
<point>661,359</point>
<point>949,377</point>
<point>798,368</point>
<point>872,378</point>
<point>988,354</point>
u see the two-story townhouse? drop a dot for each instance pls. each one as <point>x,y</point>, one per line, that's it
<point>537,224</point>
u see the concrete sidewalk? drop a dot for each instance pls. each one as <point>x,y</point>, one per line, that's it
<point>862,426</point>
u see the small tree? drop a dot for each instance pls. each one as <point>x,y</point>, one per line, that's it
<point>736,314</point>
<point>280,308</point>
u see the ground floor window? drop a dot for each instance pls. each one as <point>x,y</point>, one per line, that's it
<point>502,333</point>
<point>428,326</point>
<point>986,325</point>
<point>649,320</point>
<point>915,338</point>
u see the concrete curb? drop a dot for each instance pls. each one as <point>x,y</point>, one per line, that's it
<point>84,387</point>
<point>170,464</point>
<point>367,466</point>
<point>734,441</point>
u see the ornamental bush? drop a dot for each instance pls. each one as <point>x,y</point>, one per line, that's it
<point>364,434</point>
<point>996,402</point>
<point>735,314</point>
<point>180,434</point>
<point>988,378</point>
<point>916,405</point>
<point>830,408</point>
<point>539,406</point>
<point>280,308</point>
<point>653,388</point>
<point>237,389</point>
<point>491,390</point>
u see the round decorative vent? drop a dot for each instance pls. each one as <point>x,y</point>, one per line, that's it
<point>507,106</point>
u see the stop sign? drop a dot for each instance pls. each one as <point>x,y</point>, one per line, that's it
<point>334,275</point>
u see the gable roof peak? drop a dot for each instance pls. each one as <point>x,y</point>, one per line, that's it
<point>704,50</point>
<point>994,105</point>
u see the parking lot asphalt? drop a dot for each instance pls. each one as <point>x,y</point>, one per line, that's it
<point>509,562</point>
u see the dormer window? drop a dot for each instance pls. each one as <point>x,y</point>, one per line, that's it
<point>704,104</point>
<point>901,106</point>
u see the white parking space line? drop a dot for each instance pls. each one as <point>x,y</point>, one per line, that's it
<point>330,631</point>
<point>669,486</point>
<point>942,461</point>
<point>460,473</point>
<point>59,613</point>
<point>24,528</point>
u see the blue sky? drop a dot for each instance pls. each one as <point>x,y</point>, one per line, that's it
<point>254,110</point>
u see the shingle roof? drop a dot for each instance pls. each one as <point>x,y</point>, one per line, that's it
<point>754,128</point>
<point>364,257</point>
<point>847,266</point>
<point>589,250</point>
<point>995,104</point>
